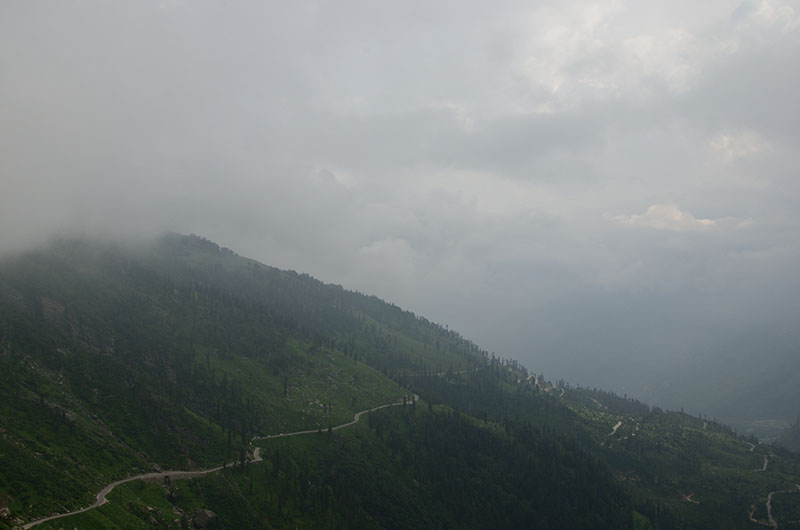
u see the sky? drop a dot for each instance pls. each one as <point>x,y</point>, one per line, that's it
<point>601,190</point>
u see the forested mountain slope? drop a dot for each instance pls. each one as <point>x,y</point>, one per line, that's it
<point>175,353</point>
<point>117,360</point>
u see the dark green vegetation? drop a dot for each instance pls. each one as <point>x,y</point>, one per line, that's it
<point>119,360</point>
<point>412,468</point>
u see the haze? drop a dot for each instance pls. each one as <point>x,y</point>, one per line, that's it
<point>602,190</point>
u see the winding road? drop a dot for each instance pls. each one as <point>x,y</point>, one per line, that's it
<point>772,521</point>
<point>688,498</point>
<point>101,497</point>
<point>764,467</point>
<point>615,427</point>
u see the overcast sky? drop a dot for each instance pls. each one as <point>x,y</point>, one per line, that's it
<point>572,184</point>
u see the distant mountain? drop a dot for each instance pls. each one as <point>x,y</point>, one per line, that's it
<point>790,438</point>
<point>751,383</point>
<point>123,359</point>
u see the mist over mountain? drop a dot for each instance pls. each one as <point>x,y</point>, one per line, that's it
<point>173,383</point>
<point>602,190</point>
<point>605,192</point>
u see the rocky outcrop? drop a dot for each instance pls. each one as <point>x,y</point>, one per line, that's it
<point>204,518</point>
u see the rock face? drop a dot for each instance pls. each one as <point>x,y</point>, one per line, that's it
<point>204,518</point>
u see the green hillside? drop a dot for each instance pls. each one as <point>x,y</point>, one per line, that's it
<point>118,360</point>
<point>174,354</point>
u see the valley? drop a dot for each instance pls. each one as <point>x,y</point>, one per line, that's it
<point>126,370</point>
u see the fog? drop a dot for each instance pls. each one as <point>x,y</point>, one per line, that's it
<point>602,190</point>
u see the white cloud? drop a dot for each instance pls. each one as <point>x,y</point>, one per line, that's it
<point>666,216</point>
<point>766,15</point>
<point>732,146</point>
<point>587,51</point>
<point>673,56</point>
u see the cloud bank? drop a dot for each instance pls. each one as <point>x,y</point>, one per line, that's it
<point>568,184</point>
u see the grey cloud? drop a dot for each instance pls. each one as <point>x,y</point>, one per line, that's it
<point>419,151</point>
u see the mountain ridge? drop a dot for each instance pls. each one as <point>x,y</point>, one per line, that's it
<point>180,353</point>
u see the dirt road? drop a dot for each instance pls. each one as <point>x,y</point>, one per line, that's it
<point>615,427</point>
<point>101,497</point>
